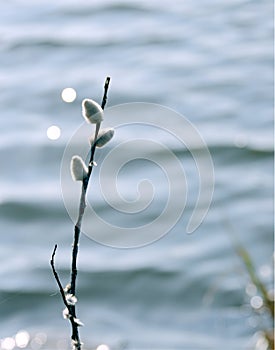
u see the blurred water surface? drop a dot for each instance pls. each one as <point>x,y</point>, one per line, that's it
<point>210,61</point>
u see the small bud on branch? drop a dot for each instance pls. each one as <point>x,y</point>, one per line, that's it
<point>104,136</point>
<point>92,111</point>
<point>78,168</point>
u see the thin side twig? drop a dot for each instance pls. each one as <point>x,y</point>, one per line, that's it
<point>63,295</point>
<point>61,290</point>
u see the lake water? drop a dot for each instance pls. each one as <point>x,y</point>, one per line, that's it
<point>210,61</point>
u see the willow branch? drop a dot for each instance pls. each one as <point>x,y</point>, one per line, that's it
<point>82,206</point>
<point>77,230</point>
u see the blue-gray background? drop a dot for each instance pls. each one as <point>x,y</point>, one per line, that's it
<point>209,60</point>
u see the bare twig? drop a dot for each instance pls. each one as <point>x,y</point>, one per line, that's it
<point>61,290</point>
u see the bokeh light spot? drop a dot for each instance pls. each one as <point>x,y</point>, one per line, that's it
<point>8,343</point>
<point>68,95</point>
<point>256,302</point>
<point>38,341</point>
<point>53,132</point>
<point>103,347</point>
<point>262,343</point>
<point>22,339</point>
<point>265,271</point>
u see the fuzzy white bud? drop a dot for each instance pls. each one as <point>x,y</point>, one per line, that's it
<point>103,137</point>
<point>65,313</point>
<point>67,288</point>
<point>92,111</point>
<point>71,299</point>
<point>76,344</point>
<point>78,168</point>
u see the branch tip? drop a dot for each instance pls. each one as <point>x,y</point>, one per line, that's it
<point>53,255</point>
<point>106,86</point>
